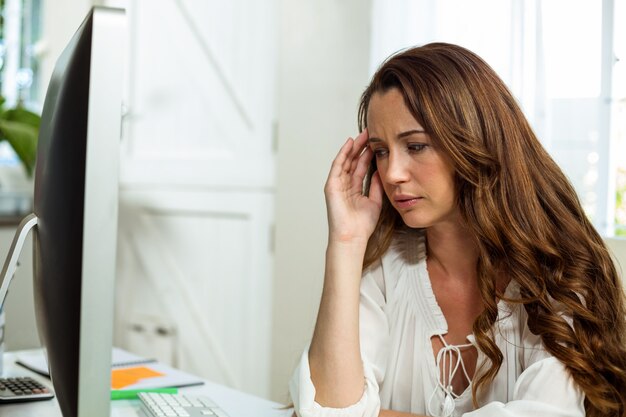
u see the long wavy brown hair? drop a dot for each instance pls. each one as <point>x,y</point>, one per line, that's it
<point>525,216</point>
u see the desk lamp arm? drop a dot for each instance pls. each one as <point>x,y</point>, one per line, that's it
<point>10,264</point>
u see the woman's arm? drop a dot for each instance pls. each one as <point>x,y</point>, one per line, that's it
<point>334,355</point>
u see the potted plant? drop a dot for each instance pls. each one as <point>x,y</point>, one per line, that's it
<point>20,128</point>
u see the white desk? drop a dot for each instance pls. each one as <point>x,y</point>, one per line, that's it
<point>236,403</point>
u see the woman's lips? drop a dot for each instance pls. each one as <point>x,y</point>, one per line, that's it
<point>406,202</point>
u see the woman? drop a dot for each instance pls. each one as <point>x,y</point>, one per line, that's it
<point>467,279</point>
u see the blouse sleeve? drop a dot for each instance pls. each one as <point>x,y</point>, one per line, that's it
<point>374,330</point>
<point>545,387</point>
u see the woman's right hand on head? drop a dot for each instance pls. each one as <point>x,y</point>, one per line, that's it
<point>352,216</point>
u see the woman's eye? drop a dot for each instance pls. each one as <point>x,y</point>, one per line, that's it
<point>380,152</point>
<point>416,147</point>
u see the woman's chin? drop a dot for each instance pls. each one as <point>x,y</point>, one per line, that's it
<point>415,223</point>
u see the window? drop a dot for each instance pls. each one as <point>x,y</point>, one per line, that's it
<point>20,30</point>
<point>618,119</point>
<point>19,84</point>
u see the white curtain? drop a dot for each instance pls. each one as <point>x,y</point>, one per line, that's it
<point>506,33</point>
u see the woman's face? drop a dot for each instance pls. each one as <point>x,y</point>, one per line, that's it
<point>417,178</point>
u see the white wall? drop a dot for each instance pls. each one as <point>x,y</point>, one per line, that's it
<point>323,69</point>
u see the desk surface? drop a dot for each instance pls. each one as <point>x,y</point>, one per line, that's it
<point>236,403</point>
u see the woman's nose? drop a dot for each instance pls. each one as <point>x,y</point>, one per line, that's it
<point>397,169</point>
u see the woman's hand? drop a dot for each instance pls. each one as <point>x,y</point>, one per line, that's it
<point>352,216</point>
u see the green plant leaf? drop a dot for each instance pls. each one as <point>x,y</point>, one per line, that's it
<point>20,114</point>
<point>23,140</point>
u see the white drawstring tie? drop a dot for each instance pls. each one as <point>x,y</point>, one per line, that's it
<point>444,382</point>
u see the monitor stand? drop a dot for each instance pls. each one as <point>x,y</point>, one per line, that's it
<point>11,262</point>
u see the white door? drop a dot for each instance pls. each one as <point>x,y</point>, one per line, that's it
<point>194,281</point>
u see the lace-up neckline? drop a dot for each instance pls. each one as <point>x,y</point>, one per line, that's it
<point>449,362</point>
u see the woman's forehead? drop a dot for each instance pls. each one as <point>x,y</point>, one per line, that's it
<point>387,111</point>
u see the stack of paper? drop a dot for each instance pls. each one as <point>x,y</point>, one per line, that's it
<point>129,371</point>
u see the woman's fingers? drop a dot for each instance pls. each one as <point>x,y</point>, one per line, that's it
<point>360,144</point>
<point>376,189</point>
<point>361,140</point>
<point>340,161</point>
<point>352,159</point>
<point>363,164</point>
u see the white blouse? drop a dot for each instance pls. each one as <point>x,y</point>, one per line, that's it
<point>398,316</point>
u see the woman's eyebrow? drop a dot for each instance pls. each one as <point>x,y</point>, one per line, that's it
<point>374,139</point>
<point>410,132</point>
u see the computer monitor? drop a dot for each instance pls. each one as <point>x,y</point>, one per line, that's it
<point>75,211</point>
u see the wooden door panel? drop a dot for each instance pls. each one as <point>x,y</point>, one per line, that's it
<point>203,263</point>
<point>200,94</point>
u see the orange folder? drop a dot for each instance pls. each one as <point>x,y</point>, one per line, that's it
<point>121,378</point>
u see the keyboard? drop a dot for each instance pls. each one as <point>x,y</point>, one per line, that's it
<point>23,389</point>
<point>178,405</point>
